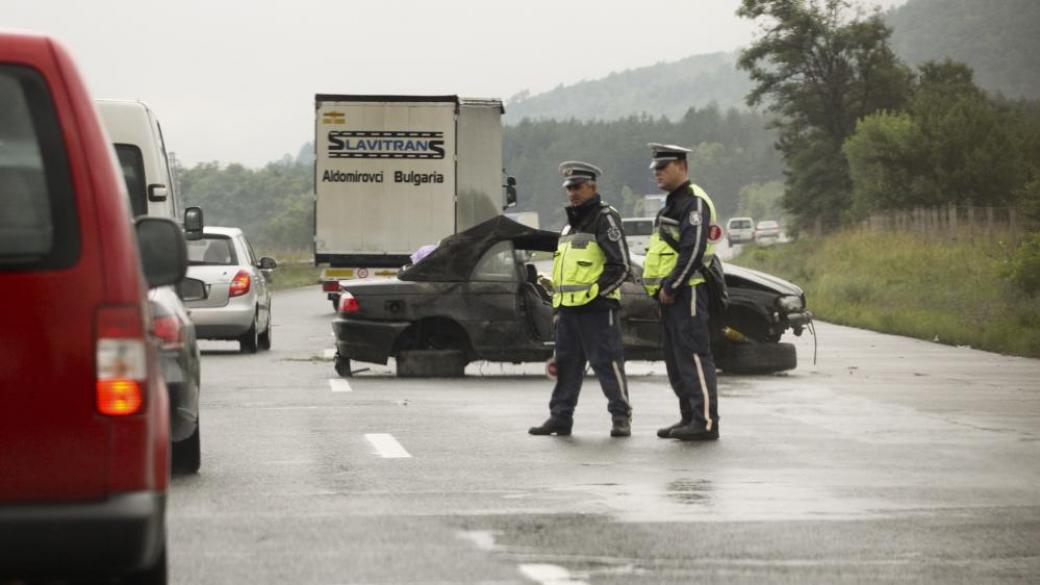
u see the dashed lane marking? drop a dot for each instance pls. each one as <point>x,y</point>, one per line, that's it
<point>339,385</point>
<point>549,575</point>
<point>386,446</point>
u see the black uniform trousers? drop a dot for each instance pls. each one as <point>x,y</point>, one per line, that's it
<point>687,355</point>
<point>589,337</point>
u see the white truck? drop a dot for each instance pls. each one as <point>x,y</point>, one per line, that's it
<point>395,173</point>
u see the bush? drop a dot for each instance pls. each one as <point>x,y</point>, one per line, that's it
<point>1024,267</point>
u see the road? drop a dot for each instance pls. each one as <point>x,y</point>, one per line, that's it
<point>891,460</point>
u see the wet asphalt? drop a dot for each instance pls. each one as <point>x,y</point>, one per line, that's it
<point>890,460</point>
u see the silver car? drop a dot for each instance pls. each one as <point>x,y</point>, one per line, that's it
<point>238,300</point>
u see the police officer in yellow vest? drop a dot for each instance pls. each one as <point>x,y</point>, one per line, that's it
<point>589,266</point>
<point>679,249</point>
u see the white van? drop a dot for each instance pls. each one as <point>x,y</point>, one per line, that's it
<point>740,230</point>
<point>138,140</point>
<point>637,233</point>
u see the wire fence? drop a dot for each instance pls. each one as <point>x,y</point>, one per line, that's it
<point>955,222</point>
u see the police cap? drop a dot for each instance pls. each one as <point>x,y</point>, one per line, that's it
<point>576,172</point>
<point>662,154</point>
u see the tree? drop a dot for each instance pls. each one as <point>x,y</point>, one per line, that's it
<point>819,69</point>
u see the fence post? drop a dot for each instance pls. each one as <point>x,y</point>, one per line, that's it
<point>971,221</point>
<point>953,221</point>
<point>1012,224</point>
<point>818,227</point>
<point>989,219</point>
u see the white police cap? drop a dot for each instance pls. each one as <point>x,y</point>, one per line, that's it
<point>666,153</point>
<point>577,172</point>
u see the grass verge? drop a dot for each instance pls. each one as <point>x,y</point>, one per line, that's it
<point>957,293</point>
<point>295,274</point>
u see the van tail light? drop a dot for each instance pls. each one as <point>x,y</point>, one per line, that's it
<point>121,361</point>
<point>347,303</point>
<point>240,284</point>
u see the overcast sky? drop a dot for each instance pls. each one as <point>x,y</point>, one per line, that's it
<point>234,80</point>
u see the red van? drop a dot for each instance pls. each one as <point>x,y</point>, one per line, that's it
<point>84,422</point>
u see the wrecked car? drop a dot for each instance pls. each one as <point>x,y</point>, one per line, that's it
<point>477,297</point>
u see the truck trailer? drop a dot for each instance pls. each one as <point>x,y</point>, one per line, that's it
<point>395,173</point>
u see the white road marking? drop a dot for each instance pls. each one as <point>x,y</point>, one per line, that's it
<point>339,385</point>
<point>329,353</point>
<point>482,539</point>
<point>549,575</point>
<point>386,446</point>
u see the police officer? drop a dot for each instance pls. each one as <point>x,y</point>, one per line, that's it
<point>589,266</point>
<point>680,248</point>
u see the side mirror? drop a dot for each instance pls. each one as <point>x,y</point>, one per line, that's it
<point>157,192</point>
<point>191,289</point>
<point>193,223</point>
<point>510,192</point>
<point>164,254</point>
<point>268,263</point>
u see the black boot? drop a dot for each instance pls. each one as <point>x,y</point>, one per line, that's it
<point>666,432</point>
<point>553,426</point>
<point>695,432</point>
<point>622,427</point>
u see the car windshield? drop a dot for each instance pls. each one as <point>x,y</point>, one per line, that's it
<point>740,224</point>
<point>640,227</point>
<point>212,251</point>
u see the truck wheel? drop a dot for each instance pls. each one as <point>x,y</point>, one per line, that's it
<point>343,367</point>
<point>431,363</point>
<point>187,454</point>
<point>249,341</point>
<point>757,358</point>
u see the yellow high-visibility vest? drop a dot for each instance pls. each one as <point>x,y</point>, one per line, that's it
<point>577,265</point>
<point>661,257</point>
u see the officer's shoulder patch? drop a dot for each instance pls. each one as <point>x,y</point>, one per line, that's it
<point>614,234</point>
<point>695,218</point>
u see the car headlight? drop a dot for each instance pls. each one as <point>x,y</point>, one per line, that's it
<point>790,304</point>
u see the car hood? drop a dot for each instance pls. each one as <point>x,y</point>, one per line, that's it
<point>774,283</point>
<point>456,255</point>
<point>738,275</point>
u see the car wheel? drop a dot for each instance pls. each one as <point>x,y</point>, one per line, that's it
<point>154,575</point>
<point>431,363</point>
<point>187,454</point>
<point>264,339</point>
<point>343,367</point>
<point>757,358</point>
<point>249,341</point>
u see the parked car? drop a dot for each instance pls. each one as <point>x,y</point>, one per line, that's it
<point>84,429</point>
<point>740,230</point>
<point>237,305</point>
<point>137,138</point>
<point>637,233</point>
<point>476,297</point>
<point>767,233</point>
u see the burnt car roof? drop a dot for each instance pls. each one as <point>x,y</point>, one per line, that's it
<point>456,255</point>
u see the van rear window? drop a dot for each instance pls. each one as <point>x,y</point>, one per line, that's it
<point>132,163</point>
<point>38,223</point>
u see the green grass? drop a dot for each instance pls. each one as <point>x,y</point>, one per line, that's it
<point>911,284</point>
<point>295,274</point>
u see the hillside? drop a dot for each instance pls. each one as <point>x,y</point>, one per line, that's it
<point>999,39</point>
<point>668,89</point>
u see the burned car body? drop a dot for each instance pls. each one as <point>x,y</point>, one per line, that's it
<point>477,297</point>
